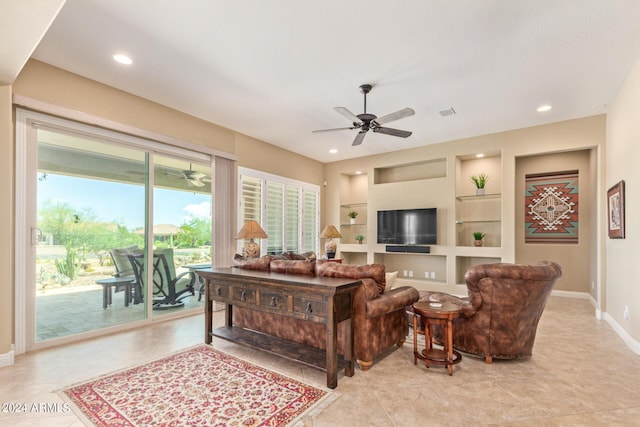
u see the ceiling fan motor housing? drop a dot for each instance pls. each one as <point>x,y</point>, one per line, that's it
<point>366,88</point>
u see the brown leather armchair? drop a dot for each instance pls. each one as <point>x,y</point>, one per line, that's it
<point>500,317</point>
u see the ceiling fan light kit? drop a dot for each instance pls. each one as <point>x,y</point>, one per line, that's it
<point>366,122</point>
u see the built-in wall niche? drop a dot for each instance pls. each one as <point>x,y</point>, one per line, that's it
<point>353,188</point>
<point>479,214</point>
<point>431,268</point>
<point>350,228</point>
<point>464,263</point>
<point>436,168</point>
<point>468,166</point>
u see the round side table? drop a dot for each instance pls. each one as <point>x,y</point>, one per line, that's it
<point>431,314</point>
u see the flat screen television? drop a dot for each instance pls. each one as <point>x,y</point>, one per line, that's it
<point>408,227</point>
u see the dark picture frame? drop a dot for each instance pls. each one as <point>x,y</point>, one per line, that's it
<point>615,211</point>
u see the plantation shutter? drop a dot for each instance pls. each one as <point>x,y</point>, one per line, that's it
<point>287,210</point>
<point>292,219</point>
<point>250,203</point>
<point>310,234</point>
<point>274,209</point>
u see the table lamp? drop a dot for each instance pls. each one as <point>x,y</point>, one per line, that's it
<point>251,230</point>
<point>330,232</point>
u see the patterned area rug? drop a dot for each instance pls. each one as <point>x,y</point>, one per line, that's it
<point>196,387</point>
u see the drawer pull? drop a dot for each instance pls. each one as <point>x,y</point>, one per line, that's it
<point>273,302</point>
<point>218,291</point>
<point>309,309</point>
<point>243,296</point>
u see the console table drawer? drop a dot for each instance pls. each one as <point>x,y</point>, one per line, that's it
<point>310,307</point>
<point>244,295</point>
<point>218,291</point>
<point>273,300</point>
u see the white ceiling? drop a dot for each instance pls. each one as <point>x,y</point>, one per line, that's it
<point>275,69</point>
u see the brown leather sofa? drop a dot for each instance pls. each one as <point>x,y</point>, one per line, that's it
<point>379,320</point>
<point>499,318</point>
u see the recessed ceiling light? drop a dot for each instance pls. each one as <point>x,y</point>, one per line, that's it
<point>479,155</point>
<point>333,151</point>
<point>544,108</point>
<point>358,172</point>
<point>122,59</point>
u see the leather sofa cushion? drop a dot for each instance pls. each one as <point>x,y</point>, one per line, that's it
<point>373,271</point>
<point>261,264</point>
<point>293,267</point>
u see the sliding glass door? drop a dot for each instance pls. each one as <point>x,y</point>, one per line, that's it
<point>93,262</point>
<point>90,202</point>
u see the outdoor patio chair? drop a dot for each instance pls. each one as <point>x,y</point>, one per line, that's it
<point>169,289</point>
<point>123,267</point>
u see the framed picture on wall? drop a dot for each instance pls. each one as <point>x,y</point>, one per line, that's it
<point>615,210</point>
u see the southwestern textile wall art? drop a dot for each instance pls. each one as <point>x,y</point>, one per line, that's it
<point>551,208</point>
<point>615,210</point>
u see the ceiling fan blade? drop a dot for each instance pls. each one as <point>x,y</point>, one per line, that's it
<point>191,174</point>
<point>331,130</point>
<point>195,182</point>
<point>392,132</point>
<point>348,114</point>
<point>359,138</point>
<point>400,114</point>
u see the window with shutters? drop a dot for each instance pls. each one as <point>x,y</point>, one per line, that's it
<point>287,210</point>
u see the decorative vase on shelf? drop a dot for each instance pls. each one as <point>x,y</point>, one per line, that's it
<point>352,215</point>
<point>480,181</point>
<point>477,238</point>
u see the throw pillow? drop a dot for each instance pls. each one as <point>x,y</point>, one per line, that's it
<point>390,278</point>
<point>261,264</point>
<point>333,269</point>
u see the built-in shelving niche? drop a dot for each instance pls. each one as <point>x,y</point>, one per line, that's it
<point>436,168</point>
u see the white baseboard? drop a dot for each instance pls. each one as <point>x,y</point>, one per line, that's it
<point>7,359</point>
<point>602,315</point>
<point>628,339</point>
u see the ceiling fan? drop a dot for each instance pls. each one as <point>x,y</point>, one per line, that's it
<point>366,122</point>
<point>195,178</point>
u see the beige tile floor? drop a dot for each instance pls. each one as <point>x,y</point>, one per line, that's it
<point>581,373</point>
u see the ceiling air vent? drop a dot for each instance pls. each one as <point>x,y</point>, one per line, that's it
<point>447,112</point>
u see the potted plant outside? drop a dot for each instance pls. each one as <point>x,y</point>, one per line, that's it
<point>359,238</point>
<point>477,238</point>
<point>352,215</point>
<point>480,181</point>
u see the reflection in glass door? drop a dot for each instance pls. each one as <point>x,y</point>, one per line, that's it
<point>90,217</point>
<point>181,233</point>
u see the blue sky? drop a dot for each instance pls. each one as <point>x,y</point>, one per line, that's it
<point>123,203</point>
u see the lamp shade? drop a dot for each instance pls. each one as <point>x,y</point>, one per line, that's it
<point>330,232</point>
<point>251,230</point>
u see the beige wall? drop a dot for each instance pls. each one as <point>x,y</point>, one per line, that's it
<point>623,152</point>
<point>42,82</point>
<point>582,135</point>
<point>252,154</point>
<point>6,220</point>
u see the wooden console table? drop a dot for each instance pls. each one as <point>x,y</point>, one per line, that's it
<point>322,300</point>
